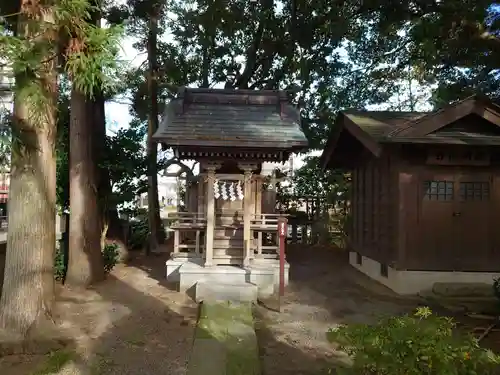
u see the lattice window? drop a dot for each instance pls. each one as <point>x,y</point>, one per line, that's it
<point>474,191</point>
<point>438,190</point>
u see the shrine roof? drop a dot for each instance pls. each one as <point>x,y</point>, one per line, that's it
<point>232,118</point>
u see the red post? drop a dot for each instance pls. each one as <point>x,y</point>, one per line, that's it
<point>282,233</point>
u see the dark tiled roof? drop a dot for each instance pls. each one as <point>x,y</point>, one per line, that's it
<point>232,118</point>
<point>380,124</point>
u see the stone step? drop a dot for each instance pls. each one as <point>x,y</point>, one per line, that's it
<point>227,242</point>
<point>211,290</point>
<point>228,233</point>
<point>228,251</point>
<point>229,219</point>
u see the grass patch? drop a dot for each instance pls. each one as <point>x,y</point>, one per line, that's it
<point>55,362</point>
<point>101,365</point>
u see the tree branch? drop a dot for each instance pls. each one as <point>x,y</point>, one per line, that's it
<point>251,58</point>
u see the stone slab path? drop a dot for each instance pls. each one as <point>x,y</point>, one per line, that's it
<point>225,342</point>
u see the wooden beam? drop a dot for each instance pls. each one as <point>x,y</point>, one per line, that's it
<point>210,204</point>
<point>247,213</point>
<point>258,210</point>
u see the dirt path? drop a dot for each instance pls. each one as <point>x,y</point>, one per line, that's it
<point>130,324</point>
<point>324,291</point>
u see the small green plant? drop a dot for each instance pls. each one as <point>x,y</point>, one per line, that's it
<point>412,345</point>
<point>139,231</point>
<point>59,264</point>
<point>110,256</point>
<point>55,362</point>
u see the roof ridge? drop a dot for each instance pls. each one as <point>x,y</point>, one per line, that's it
<point>411,123</point>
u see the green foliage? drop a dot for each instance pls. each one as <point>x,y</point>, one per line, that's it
<point>139,231</point>
<point>94,65</point>
<point>310,180</point>
<point>59,264</point>
<point>88,53</point>
<point>109,254</point>
<point>124,158</point>
<point>412,345</point>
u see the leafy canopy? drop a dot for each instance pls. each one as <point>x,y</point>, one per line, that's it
<point>59,36</point>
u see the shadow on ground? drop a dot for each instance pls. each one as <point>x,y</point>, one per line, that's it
<point>126,325</point>
<point>136,323</point>
<point>324,291</point>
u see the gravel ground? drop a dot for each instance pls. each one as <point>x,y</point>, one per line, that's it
<point>324,291</point>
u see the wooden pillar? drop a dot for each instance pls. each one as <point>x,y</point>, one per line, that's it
<point>200,199</point>
<point>247,212</point>
<point>247,201</point>
<point>176,241</point>
<point>210,201</point>
<point>197,249</point>
<point>258,212</point>
<point>200,211</point>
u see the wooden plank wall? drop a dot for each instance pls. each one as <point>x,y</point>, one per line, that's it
<point>374,197</point>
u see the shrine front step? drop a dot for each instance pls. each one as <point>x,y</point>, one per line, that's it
<point>220,243</point>
<point>213,291</point>
<point>192,277</point>
<point>222,232</point>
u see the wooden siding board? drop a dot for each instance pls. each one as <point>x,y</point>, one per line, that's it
<point>388,222</point>
<point>376,206</point>
<point>354,207</point>
<point>359,242</point>
<point>393,204</point>
<point>368,210</point>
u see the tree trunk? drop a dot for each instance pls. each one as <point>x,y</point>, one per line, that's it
<point>28,287</point>
<point>85,265</point>
<point>155,226</point>
<point>103,183</point>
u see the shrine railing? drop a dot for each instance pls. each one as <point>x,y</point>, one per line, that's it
<point>187,220</point>
<point>265,222</point>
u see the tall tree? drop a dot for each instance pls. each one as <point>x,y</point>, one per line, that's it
<point>85,264</point>
<point>28,287</point>
<point>152,147</point>
<point>34,52</point>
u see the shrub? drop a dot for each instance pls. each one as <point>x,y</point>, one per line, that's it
<point>412,345</point>
<point>109,254</point>
<point>59,264</point>
<point>139,231</point>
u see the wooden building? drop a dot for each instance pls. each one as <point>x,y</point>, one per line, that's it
<point>231,133</point>
<point>425,193</point>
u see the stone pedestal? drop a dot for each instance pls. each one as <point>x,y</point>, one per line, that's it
<point>173,265</point>
<point>191,273</point>
<point>273,264</point>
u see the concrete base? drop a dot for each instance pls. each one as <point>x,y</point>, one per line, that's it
<point>273,264</point>
<point>414,282</point>
<point>174,263</point>
<point>190,273</point>
<point>210,291</point>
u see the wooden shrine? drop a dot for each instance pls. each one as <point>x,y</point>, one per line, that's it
<point>228,210</point>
